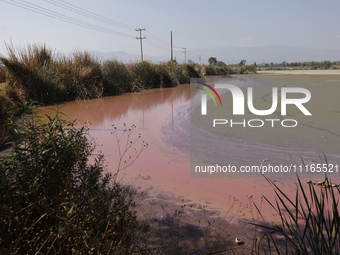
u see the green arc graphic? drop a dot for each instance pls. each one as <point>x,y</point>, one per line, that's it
<point>209,94</point>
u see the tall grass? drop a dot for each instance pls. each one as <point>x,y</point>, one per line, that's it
<point>145,75</point>
<point>79,77</point>
<point>309,224</point>
<point>30,70</point>
<point>46,77</point>
<point>116,78</point>
<point>148,75</point>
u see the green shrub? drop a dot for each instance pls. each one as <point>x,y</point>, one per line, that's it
<point>145,75</point>
<point>52,200</point>
<point>116,78</point>
<point>79,77</point>
<point>178,72</point>
<point>166,78</point>
<point>210,70</point>
<point>192,72</point>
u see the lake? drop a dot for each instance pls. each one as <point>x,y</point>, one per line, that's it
<point>162,118</point>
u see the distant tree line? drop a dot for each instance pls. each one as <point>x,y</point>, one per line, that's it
<point>326,64</point>
<point>216,67</point>
<point>213,62</point>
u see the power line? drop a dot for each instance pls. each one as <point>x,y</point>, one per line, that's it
<point>72,19</point>
<point>160,41</point>
<point>92,15</point>
<point>156,43</point>
<point>156,46</point>
<point>153,41</point>
<point>159,46</point>
<point>89,14</point>
<point>65,18</point>
<point>157,39</point>
<point>193,54</point>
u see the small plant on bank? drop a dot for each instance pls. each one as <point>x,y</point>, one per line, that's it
<point>125,144</point>
<point>53,201</point>
<point>308,225</point>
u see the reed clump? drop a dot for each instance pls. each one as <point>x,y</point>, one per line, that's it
<point>46,77</point>
<point>309,224</point>
<point>79,77</point>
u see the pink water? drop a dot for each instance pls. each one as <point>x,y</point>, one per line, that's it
<point>160,116</point>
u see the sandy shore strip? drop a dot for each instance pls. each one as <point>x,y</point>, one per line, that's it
<point>308,72</point>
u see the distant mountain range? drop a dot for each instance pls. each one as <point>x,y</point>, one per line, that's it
<point>267,54</point>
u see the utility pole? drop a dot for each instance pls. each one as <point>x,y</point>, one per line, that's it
<point>199,57</point>
<point>185,55</point>
<point>171,48</point>
<point>140,38</point>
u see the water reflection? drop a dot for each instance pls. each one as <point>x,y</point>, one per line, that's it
<point>109,110</point>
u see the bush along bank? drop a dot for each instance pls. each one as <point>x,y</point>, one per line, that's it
<point>53,201</point>
<point>230,69</point>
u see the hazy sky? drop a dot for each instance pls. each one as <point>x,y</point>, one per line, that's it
<point>195,24</point>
